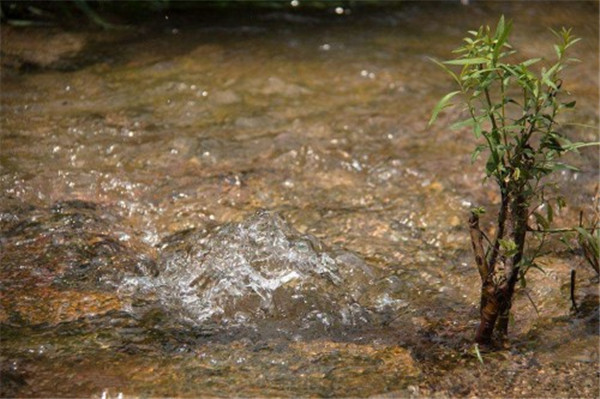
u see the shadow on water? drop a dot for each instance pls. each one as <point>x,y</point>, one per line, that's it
<point>251,205</point>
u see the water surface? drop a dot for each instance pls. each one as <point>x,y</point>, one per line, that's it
<point>134,169</point>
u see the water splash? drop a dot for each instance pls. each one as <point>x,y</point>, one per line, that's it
<point>260,269</point>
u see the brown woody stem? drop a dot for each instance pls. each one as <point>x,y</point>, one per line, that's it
<point>477,243</point>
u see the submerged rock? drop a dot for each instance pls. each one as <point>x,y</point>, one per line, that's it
<point>64,263</point>
<point>75,260</point>
<point>30,47</point>
<point>260,269</point>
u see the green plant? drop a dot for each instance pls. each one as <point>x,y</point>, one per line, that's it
<point>512,109</point>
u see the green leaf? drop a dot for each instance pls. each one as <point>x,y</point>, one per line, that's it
<point>558,50</point>
<point>555,33</point>
<point>446,69</point>
<point>443,103</point>
<point>500,27</point>
<point>563,166</point>
<point>569,104</point>
<point>467,61</point>
<point>491,166</point>
<point>572,42</point>
<point>541,221</point>
<point>516,174</point>
<point>508,246</point>
<point>478,353</point>
<point>575,146</point>
<point>502,32</point>
<point>478,210</point>
<point>583,233</point>
<point>469,122</point>
<point>92,15</point>
<point>584,236</point>
<point>530,62</point>
<point>548,75</point>
<point>477,130</point>
<point>523,281</point>
<point>537,266</point>
<point>477,151</point>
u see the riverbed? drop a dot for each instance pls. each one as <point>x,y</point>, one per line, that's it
<point>278,162</point>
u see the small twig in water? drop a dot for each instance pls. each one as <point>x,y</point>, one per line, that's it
<point>573,302</point>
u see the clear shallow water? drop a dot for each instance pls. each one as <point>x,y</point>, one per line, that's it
<point>199,125</point>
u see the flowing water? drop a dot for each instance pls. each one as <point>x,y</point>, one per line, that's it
<point>251,204</point>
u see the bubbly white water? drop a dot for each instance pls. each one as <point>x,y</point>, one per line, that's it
<point>259,268</point>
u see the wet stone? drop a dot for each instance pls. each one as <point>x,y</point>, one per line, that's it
<point>226,97</point>
<point>65,262</point>
<point>277,86</point>
<point>54,50</point>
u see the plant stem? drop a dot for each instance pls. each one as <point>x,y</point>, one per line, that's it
<point>503,102</point>
<point>477,243</point>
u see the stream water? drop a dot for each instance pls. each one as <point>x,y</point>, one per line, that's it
<point>252,205</point>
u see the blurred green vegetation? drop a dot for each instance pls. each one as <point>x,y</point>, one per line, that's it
<point>110,14</point>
